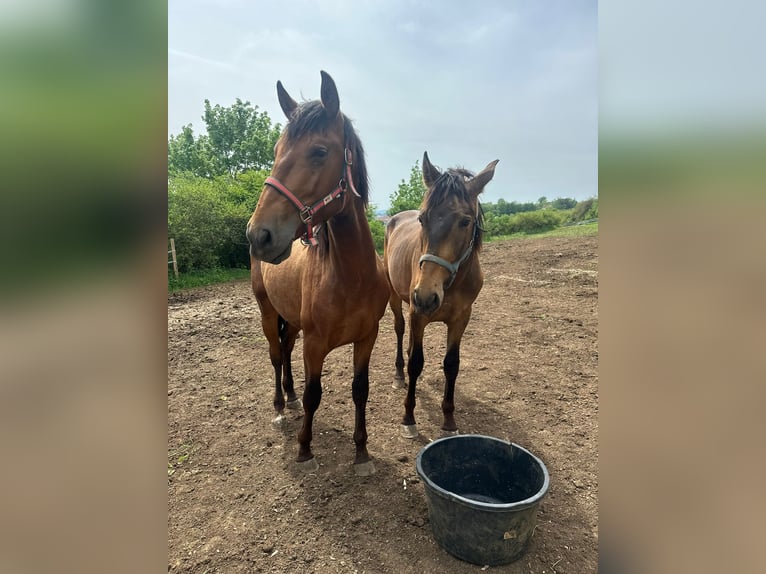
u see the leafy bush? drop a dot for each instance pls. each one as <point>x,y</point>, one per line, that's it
<point>535,221</point>
<point>503,207</point>
<point>207,218</point>
<point>523,222</point>
<point>194,221</point>
<point>587,209</point>
<point>378,230</point>
<point>495,225</point>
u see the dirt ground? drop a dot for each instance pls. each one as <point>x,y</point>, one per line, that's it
<point>528,374</point>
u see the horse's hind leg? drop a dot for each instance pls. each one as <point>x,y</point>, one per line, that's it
<point>396,307</point>
<point>455,330</point>
<point>288,334</point>
<point>360,386</point>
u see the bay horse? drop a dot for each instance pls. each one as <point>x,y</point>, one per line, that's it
<point>432,263</point>
<point>313,262</point>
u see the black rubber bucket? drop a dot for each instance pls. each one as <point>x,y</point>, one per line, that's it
<point>482,494</point>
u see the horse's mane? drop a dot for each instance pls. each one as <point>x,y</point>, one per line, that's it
<point>449,184</point>
<point>310,117</point>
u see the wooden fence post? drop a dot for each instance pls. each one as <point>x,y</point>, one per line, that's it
<point>174,261</point>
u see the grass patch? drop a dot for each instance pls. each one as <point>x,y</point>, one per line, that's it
<point>178,456</point>
<point>205,277</point>
<point>213,276</point>
<point>569,231</point>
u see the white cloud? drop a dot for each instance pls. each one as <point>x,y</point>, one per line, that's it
<point>468,82</point>
<point>201,60</point>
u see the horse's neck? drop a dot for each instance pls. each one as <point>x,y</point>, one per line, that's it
<point>350,240</point>
<point>470,270</point>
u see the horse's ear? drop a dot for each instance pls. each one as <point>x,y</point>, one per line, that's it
<point>430,173</point>
<point>285,101</point>
<point>329,94</point>
<point>476,184</point>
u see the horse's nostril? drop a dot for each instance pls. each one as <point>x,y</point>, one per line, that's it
<point>430,304</point>
<point>260,238</point>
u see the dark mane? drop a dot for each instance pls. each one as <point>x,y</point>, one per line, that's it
<point>452,183</point>
<point>310,117</point>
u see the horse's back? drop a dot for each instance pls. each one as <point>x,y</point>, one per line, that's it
<point>400,218</point>
<point>400,249</point>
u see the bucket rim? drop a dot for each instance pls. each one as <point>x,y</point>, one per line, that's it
<point>518,505</point>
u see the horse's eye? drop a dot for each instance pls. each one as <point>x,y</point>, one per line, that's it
<point>318,153</point>
<point>465,223</point>
<point>420,220</point>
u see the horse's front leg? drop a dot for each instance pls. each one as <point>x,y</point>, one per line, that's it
<point>360,386</point>
<point>418,324</point>
<point>455,330</point>
<point>314,353</point>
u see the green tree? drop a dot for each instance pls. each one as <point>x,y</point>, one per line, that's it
<point>409,194</point>
<point>187,154</point>
<point>563,203</point>
<point>377,228</point>
<point>239,138</point>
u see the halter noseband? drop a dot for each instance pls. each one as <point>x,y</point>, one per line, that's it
<point>451,267</point>
<point>307,212</point>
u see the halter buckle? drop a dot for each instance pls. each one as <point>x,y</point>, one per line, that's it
<point>348,157</point>
<point>306,215</point>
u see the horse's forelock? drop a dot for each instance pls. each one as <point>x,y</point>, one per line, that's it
<point>448,184</point>
<point>451,183</point>
<point>308,117</point>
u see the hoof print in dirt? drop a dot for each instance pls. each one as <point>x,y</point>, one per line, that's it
<point>279,422</point>
<point>364,469</point>
<point>308,466</point>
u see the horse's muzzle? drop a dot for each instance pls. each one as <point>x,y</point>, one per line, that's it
<point>425,304</point>
<point>264,245</point>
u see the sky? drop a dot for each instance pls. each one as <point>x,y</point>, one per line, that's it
<point>469,82</point>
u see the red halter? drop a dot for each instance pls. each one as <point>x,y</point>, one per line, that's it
<point>307,212</point>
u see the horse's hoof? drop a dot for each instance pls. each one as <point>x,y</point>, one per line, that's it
<point>450,432</point>
<point>279,422</point>
<point>399,383</point>
<point>294,405</point>
<point>410,431</point>
<point>364,468</point>
<point>308,466</point>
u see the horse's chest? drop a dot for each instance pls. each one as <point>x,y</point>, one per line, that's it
<point>346,311</point>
